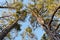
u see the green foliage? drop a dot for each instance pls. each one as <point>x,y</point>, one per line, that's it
<point>11,22</point>
<point>28,29</point>
<point>8,35</point>
<point>32,20</point>
<point>16,15</point>
<point>17,26</point>
<point>18,12</point>
<point>24,15</point>
<point>45,37</point>
<point>0,28</point>
<point>17,5</point>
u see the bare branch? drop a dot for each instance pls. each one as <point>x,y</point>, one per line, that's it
<point>39,18</point>
<point>5,16</point>
<point>49,24</point>
<point>7,7</point>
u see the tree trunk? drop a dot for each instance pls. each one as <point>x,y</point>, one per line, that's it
<point>7,29</point>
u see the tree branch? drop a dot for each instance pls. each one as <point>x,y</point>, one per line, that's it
<point>7,7</point>
<point>49,24</point>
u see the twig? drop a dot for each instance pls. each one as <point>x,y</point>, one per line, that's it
<point>57,27</point>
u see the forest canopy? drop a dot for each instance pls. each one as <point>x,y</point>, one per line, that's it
<point>43,14</point>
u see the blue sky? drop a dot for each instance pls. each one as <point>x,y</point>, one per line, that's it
<point>38,32</point>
